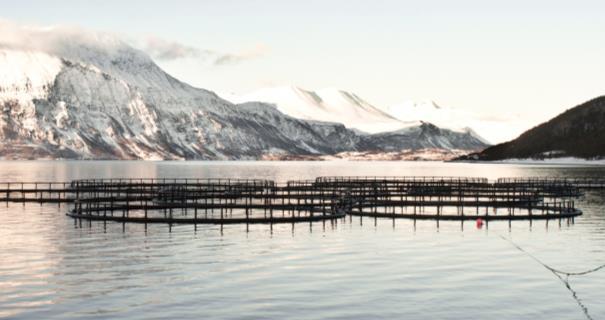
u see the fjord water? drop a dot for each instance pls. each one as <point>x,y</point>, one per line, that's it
<point>51,268</point>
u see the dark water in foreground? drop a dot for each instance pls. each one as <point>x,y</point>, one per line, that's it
<point>354,269</point>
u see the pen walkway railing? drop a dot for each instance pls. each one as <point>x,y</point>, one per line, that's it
<point>227,201</point>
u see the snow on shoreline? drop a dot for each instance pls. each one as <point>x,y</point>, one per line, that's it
<point>551,161</point>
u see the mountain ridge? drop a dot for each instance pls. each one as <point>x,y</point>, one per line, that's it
<point>577,132</point>
<point>354,112</point>
<point>116,103</point>
<point>329,105</point>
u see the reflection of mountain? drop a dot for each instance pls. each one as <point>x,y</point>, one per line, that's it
<point>95,97</point>
<point>29,257</point>
<point>578,132</point>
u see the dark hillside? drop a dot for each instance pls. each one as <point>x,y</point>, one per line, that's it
<point>577,132</point>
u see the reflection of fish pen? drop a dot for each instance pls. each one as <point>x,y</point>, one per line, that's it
<point>220,201</point>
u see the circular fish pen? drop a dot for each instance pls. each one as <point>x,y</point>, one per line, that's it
<point>248,201</point>
<point>202,201</point>
<point>456,198</point>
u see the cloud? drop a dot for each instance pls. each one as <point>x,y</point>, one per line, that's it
<point>166,50</point>
<point>226,59</point>
<point>169,50</point>
<point>73,42</point>
<point>25,37</point>
<point>70,42</point>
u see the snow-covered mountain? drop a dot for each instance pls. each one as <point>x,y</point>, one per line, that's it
<point>349,109</point>
<point>331,105</point>
<point>425,110</point>
<point>67,94</point>
<point>444,117</point>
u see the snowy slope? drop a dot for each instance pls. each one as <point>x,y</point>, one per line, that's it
<point>425,136</point>
<point>335,105</point>
<point>125,107</point>
<point>64,94</point>
<point>444,117</point>
<point>331,105</point>
<point>425,110</point>
<point>488,127</point>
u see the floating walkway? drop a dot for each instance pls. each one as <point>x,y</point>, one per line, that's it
<point>250,201</point>
<point>578,182</point>
<point>41,192</point>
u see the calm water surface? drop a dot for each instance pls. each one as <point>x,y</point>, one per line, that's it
<point>352,269</point>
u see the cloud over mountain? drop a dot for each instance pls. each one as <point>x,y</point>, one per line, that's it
<point>167,50</point>
<point>58,40</point>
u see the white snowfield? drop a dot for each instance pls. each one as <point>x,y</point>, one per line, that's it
<point>67,94</point>
<point>331,105</point>
<point>26,75</point>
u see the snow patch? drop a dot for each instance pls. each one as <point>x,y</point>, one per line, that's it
<point>26,75</point>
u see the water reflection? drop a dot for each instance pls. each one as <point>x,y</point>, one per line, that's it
<point>563,276</point>
<point>278,171</point>
<point>349,268</point>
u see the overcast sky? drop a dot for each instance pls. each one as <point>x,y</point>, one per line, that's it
<point>517,60</point>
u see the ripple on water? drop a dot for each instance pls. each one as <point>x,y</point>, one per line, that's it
<point>354,269</point>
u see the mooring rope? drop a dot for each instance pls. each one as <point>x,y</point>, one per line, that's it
<point>549,267</point>
<point>559,274</point>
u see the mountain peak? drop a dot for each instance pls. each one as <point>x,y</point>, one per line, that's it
<point>328,104</point>
<point>75,44</point>
<point>103,52</point>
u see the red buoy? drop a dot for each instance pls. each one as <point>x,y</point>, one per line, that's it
<point>479,223</point>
